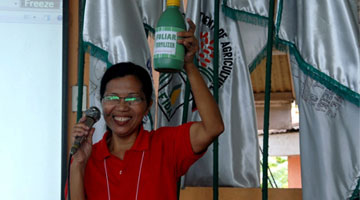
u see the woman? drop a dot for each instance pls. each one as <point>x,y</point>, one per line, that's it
<point>129,162</point>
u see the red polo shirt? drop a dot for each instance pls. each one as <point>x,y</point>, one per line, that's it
<point>149,171</point>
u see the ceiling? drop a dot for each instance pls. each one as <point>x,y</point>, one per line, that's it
<point>281,79</point>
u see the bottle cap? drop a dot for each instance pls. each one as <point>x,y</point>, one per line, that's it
<point>173,3</point>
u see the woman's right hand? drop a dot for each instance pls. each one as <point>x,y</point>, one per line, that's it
<point>83,153</point>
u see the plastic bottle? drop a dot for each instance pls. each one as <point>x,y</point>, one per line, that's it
<point>168,54</point>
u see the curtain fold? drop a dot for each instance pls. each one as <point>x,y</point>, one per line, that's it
<point>323,39</point>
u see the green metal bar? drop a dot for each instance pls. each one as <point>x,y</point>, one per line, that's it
<point>216,96</point>
<point>178,189</point>
<point>149,114</point>
<point>81,58</point>
<point>186,102</point>
<point>267,100</point>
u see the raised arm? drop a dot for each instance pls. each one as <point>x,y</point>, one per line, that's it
<point>202,133</point>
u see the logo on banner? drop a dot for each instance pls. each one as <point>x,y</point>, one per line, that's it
<point>171,85</point>
<point>321,99</point>
<point>206,53</point>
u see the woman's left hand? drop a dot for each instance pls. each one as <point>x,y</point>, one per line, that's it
<point>190,42</point>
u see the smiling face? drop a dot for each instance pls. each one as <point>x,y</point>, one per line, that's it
<point>124,119</point>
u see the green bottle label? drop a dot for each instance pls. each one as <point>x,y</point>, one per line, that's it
<point>166,45</point>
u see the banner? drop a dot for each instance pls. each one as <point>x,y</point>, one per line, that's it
<point>329,139</point>
<point>254,8</point>
<point>323,38</point>
<point>151,11</point>
<point>238,145</point>
<point>253,12</point>
<point>113,32</point>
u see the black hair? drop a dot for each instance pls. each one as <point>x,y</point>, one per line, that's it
<point>124,69</point>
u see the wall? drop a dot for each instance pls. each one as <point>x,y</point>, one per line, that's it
<point>205,193</point>
<point>294,171</point>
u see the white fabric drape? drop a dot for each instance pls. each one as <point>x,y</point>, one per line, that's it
<point>323,38</point>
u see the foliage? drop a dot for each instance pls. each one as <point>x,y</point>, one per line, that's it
<point>278,166</point>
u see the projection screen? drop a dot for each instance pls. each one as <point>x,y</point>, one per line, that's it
<point>31,86</point>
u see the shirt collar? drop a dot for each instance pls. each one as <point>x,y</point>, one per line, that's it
<point>103,149</point>
<point>142,140</point>
<point>141,144</point>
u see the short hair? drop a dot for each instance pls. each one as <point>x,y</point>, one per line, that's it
<point>124,69</point>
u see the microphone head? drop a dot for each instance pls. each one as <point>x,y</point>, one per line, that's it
<point>93,112</point>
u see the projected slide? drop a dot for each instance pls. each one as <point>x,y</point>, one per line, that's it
<point>31,95</point>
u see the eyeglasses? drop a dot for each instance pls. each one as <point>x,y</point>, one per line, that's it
<point>129,100</point>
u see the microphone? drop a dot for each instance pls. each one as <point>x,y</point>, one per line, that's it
<point>92,116</point>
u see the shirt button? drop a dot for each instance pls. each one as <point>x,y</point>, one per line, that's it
<point>120,172</point>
